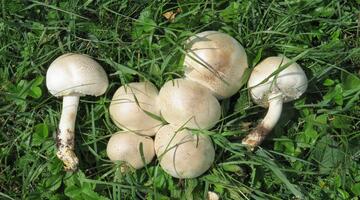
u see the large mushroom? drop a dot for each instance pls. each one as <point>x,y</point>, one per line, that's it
<point>217,61</point>
<point>71,76</point>
<point>134,108</point>
<point>129,147</point>
<point>186,103</point>
<point>183,154</point>
<point>273,82</point>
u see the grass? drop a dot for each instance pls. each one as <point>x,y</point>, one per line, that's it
<point>313,152</point>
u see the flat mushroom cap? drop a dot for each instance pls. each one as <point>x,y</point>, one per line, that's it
<point>125,146</point>
<point>76,74</point>
<point>128,114</point>
<point>217,61</point>
<point>291,82</point>
<point>183,154</point>
<point>185,102</point>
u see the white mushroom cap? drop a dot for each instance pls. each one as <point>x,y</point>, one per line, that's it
<point>76,74</point>
<point>217,61</point>
<point>184,102</point>
<point>183,154</point>
<point>291,82</point>
<point>128,114</point>
<point>125,146</point>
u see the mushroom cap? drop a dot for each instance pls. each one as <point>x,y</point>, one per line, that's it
<point>186,103</point>
<point>76,74</point>
<point>125,146</point>
<point>291,82</point>
<point>183,154</point>
<point>128,112</point>
<point>217,61</point>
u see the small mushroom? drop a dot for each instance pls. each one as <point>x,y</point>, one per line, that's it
<point>71,76</point>
<point>284,86</point>
<point>183,154</point>
<point>217,61</point>
<point>132,106</point>
<point>213,196</point>
<point>186,103</point>
<point>129,147</point>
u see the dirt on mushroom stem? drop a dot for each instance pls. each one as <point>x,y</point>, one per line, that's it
<point>65,135</point>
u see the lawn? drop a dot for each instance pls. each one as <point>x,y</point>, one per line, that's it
<point>312,153</point>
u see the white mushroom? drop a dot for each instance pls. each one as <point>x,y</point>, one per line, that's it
<point>213,196</point>
<point>128,147</point>
<point>186,103</point>
<point>217,61</point>
<point>183,154</point>
<point>132,106</point>
<point>287,85</point>
<point>71,76</point>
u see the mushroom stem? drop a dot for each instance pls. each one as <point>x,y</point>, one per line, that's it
<point>255,137</point>
<point>65,135</point>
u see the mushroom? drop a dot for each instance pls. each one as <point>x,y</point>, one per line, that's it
<point>129,147</point>
<point>213,196</point>
<point>217,61</point>
<point>186,103</point>
<point>71,76</point>
<point>183,154</point>
<point>131,108</point>
<point>271,88</point>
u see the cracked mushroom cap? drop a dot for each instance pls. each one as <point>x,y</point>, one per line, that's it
<point>125,146</point>
<point>217,61</point>
<point>291,82</point>
<point>76,74</point>
<point>129,105</point>
<point>183,154</point>
<point>185,102</point>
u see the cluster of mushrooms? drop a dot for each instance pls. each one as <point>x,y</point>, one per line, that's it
<point>214,65</point>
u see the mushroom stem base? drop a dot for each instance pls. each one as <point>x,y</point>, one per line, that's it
<point>65,136</point>
<point>257,136</point>
<point>69,158</point>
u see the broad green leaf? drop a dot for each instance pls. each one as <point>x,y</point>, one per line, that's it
<point>356,189</point>
<point>53,182</point>
<point>335,95</point>
<point>325,11</point>
<point>350,81</point>
<point>35,92</point>
<point>328,82</point>
<point>231,13</point>
<point>327,153</point>
<point>88,194</point>
<point>41,133</point>
<point>341,122</point>
<point>55,166</point>
<point>73,192</point>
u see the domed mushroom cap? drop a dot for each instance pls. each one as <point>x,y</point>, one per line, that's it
<point>217,61</point>
<point>291,82</point>
<point>128,112</point>
<point>183,154</point>
<point>76,74</point>
<point>185,102</point>
<point>125,146</point>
